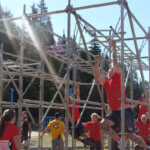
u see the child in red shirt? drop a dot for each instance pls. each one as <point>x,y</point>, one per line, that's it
<point>94,132</point>
<point>143,129</point>
<point>9,132</point>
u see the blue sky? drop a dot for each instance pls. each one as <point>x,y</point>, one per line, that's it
<point>101,17</point>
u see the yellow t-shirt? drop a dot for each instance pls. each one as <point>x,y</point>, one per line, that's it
<point>56,127</point>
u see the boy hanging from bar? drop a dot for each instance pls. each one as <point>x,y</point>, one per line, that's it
<point>112,86</point>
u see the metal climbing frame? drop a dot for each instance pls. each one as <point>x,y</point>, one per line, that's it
<point>23,67</point>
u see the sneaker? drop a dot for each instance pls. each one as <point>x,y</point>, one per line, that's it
<point>119,144</point>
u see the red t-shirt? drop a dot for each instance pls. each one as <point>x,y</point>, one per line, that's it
<point>76,111</point>
<point>113,91</point>
<point>142,109</point>
<point>9,133</point>
<point>143,129</point>
<point>94,130</point>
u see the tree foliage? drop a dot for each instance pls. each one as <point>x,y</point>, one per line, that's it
<point>42,25</point>
<point>95,48</point>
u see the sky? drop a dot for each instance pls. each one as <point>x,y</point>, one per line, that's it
<point>101,17</point>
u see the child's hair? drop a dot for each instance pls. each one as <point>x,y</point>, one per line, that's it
<point>6,117</point>
<point>95,114</point>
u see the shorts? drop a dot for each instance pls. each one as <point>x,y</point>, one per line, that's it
<point>24,137</point>
<point>96,145</point>
<point>115,116</point>
<point>58,144</point>
<point>78,130</point>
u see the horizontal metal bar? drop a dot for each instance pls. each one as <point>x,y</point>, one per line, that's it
<point>60,11</point>
<point>96,5</point>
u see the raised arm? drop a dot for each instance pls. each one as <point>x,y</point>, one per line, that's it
<point>77,91</point>
<point>115,63</point>
<point>98,76</point>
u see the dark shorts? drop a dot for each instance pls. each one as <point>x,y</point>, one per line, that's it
<point>115,116</point>
<point>24,137</point>
<point>96,145</point>
<point>78,130</point>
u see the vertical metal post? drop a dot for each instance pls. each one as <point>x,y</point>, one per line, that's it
<point>20,100</point>
<point>41,98</point>
<point>122,75</point>
<point>1,77</point>
<point>74,89</point>
<point>110,37</point>
<point>149,67</point>
<point>110,66</point>
<point>131,86</point>
<point>131,80</point>
<point>68,74</point>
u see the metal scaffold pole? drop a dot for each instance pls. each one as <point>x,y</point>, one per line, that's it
<point>122,76</point>
<point>1,76</point>
<point>68,73</point>
<point>20,100</point>
<point>74,97</point>
<point>41,99</point>
<point>149,67</point>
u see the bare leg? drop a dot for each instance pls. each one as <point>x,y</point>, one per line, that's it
<point>137,139</point>
<point>106,126</point>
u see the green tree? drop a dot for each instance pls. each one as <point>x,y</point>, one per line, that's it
<point>95,48</point>
<point>10,44</point>
<point>42,25</point>
<point>45,25</point>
